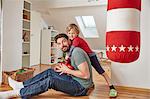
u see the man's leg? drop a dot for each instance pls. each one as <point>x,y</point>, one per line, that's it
<point>37,77</point>
<point>9,94</point>
<point>63,83</point>
<point>16,85</point>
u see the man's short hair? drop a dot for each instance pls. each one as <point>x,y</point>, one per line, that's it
<point>60,36</point>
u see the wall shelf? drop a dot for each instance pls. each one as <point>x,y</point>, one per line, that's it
<point>25,54</point>
<point>26,34</point>
<point>26,42</point>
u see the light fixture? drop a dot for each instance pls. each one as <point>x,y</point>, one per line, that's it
<point>92,0</point>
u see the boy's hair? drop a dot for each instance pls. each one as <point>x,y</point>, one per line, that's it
<point>72,26</point>
<point>60,36</point>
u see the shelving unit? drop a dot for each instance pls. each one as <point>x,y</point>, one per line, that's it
<point>26,34</point>
<point>49,49</point>
<point>53,47</point>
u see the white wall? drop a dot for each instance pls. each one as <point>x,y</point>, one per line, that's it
<point>37,24</point>
<point>12,35</point>
<point>145,25</point>
<point>0,42</point>
<point>60,18</point>
<point>137,74</point>
<point>147,30</point>
<point>45,47</point>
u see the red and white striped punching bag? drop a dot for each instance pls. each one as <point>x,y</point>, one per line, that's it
<point>123,30</point>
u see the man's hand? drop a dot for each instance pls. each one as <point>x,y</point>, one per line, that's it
<point>56,67</point>
<point>63,69</point>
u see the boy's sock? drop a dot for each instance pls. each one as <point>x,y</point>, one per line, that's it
<point>15,84</point>
<point>111,87</point>
<point>10,94</point>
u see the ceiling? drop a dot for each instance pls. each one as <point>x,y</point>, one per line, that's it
<point>44,6</point>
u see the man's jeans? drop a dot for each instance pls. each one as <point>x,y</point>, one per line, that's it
<point>51,79</point>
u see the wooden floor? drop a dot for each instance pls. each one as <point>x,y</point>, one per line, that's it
<point>99,92</point>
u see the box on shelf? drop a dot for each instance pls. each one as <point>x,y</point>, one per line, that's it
<point>19,75</point>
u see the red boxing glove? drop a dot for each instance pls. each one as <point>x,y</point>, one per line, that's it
<point>70,67</point>
<point>68,61</point>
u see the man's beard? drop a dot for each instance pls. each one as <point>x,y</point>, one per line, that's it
<point>67,50</point>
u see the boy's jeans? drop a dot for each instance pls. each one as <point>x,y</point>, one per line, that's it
<point>95,63</point>
<point>51,79</point>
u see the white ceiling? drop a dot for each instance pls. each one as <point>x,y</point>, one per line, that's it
<point>45,5</point>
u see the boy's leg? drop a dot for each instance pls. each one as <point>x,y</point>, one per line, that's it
<point>63,83</point>
<point>95,63</point>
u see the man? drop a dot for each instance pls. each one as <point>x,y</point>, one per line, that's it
<point>73,82</point>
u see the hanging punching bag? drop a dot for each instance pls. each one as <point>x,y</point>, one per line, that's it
<point>123,30</point>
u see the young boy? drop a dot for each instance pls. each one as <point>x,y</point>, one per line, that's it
<point>73,34</point>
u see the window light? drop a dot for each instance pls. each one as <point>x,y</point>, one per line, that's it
<point>88,21</point>
<point>87,26</point>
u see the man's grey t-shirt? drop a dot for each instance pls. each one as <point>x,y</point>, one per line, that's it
<point>79,56</point>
